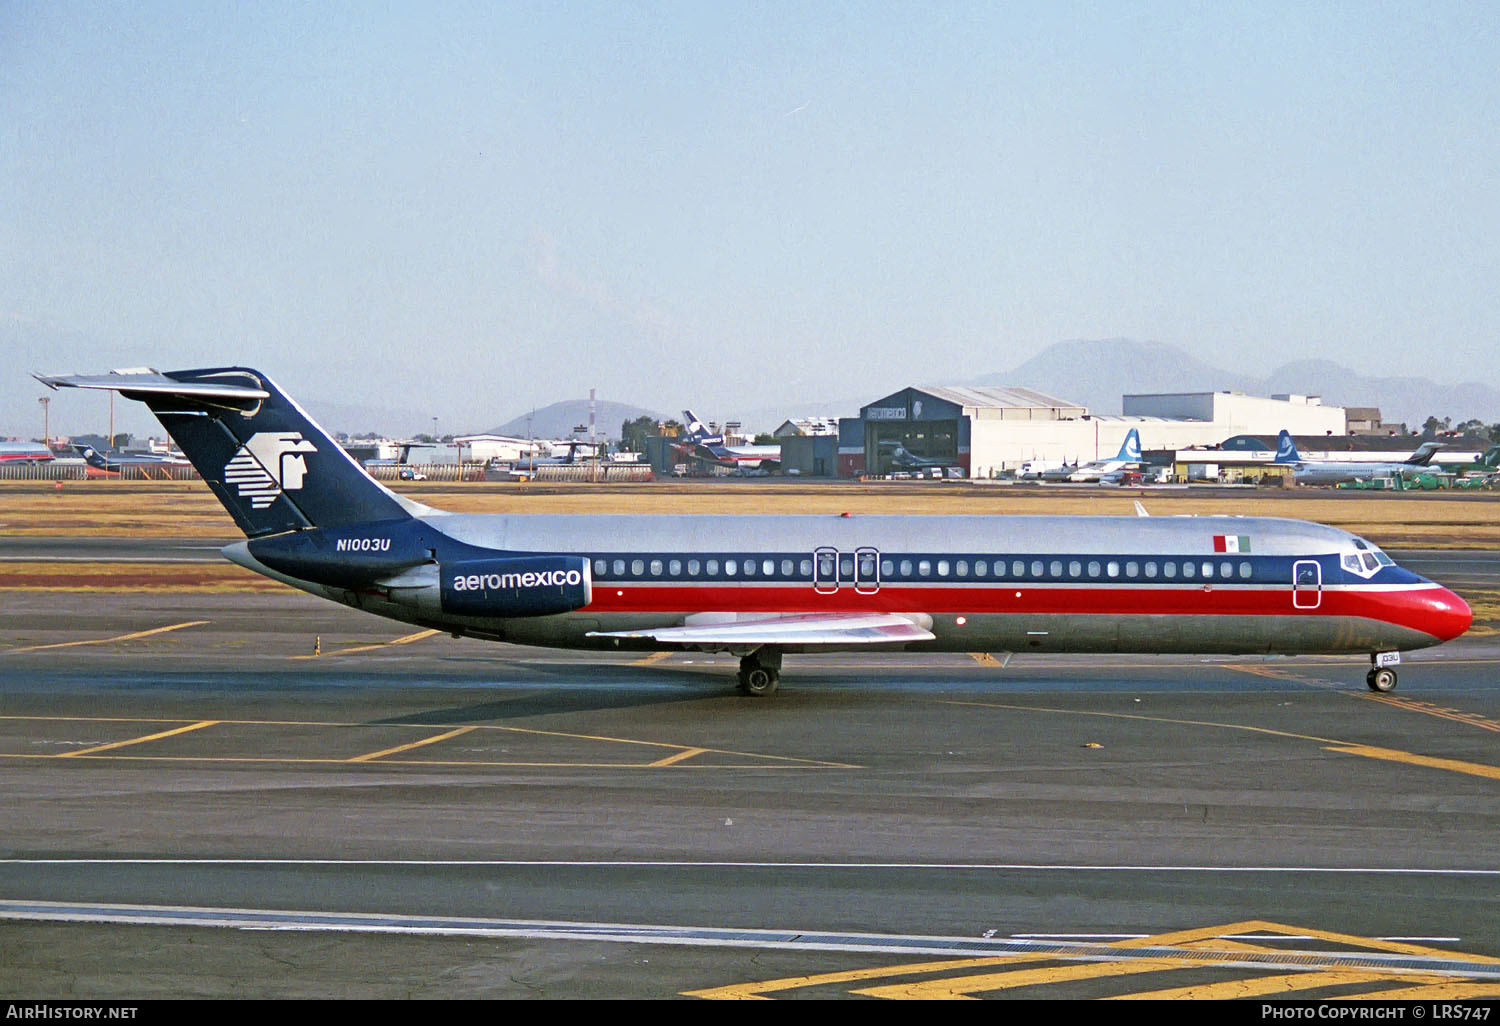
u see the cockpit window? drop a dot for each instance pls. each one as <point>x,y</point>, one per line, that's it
<point>1371,563</point>
<point>1351,562</point>
<point>1383,559</point>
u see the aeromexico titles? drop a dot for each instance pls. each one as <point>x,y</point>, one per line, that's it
<point>762,586</point>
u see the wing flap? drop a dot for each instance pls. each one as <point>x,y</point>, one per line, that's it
<point>801,629</point>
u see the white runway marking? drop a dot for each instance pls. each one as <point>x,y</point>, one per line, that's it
<point>698,936</point>
<point>831,866</point>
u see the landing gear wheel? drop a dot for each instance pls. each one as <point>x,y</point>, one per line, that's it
<point>760,672</point>
<point>759,681</point>
<point>1381,680</point>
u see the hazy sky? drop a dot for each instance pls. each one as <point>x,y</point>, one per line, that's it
<point>468,209</point>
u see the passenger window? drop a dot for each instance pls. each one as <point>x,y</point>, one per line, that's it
<point>906,568</point>
<point>1150,568</point>
<point>1188,569</point>
<point>1246,570</point>
<point>1169,569</point>
<point>619,568</point>
<point>1075,569</point>
<point>749,566</point>
<point>1113,568</point>
<point>713,568</point>
<point>1226,570</point>
<point>1017,569</point>
<point>1094,568</point>
<point>887,567</point>
<point>656,568</point>
<point>805,568</point>
<point>1055,568</point>
<point>942,568</point>
<point>693,567</point>
<point>674,568</point>
<point>786,568</point>
<point>1036,568</point>
<point>1132,569</point>
<point>637,567</point>
<point>924,567</point>
<point>600,568</point>
<point>846,568</point>
<point>826,566</point>
<point>961,568</point>
<point>1208,569</point>
<point>980,568</point>
<point>768,567</point>
<point>867,568</point>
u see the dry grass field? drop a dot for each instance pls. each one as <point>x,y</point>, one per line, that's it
<point>189,510</point>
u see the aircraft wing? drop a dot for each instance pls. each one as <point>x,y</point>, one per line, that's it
<point>812,629</point>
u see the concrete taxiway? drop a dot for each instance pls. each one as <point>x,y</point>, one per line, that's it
<point>267,795</point>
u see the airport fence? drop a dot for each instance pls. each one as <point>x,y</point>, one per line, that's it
<point>69,470</point>
<point>80,471</point>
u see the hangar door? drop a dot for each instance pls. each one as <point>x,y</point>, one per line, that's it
<point>892,446</point>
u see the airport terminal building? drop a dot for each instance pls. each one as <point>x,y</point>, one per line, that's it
<point>985,431</point>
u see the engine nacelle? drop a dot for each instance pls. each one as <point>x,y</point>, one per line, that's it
<point>520,586</point>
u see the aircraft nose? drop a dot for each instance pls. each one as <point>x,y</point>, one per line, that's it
<point>1439,612</point>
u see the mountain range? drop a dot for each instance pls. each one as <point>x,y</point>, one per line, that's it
<point>559,419</point>
<point>1097,373</point>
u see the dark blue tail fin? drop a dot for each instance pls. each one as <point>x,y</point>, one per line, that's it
<point>270,465</point>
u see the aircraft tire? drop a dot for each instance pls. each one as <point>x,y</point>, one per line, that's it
<point>1381,680</point>
<point>759,682</point>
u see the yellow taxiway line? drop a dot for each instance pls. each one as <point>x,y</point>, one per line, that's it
<point>371,756</point>
<point>119,637</point>
<point>418,636</point>
<point>137,740</point>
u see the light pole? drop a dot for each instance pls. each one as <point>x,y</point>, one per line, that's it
<point>46,402</point>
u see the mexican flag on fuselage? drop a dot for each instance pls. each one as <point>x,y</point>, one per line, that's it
<point>1231,543</point>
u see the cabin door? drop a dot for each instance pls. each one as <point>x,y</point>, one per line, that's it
<point>1307,584</point>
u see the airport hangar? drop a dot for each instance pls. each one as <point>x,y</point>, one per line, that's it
<point>987,430</point>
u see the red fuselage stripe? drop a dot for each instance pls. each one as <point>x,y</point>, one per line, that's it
<point>1216,600</point>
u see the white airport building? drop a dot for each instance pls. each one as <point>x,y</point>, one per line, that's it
<point>989,430</point>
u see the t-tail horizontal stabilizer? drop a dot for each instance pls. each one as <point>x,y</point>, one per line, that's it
<point>271,466</point>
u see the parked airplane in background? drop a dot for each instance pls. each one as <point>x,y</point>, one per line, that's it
<point>1128,458</point>
<point>402,457</point>
<point>699,443</point>
<point>114,462</point>
<point>24,453</point>
<point>1486,466</point>
<point>902,458</point>
<point>761,586</point>
<point>1032,470</point>
<point>1337,471</point>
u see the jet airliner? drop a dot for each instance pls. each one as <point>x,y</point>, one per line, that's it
<point>699,443</point>
<point>1337,471</point>
<point>759,587</point>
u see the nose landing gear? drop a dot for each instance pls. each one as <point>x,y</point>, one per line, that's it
<point>1382,676</point>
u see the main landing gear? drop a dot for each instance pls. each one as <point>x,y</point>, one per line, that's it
<point>760,672</point>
